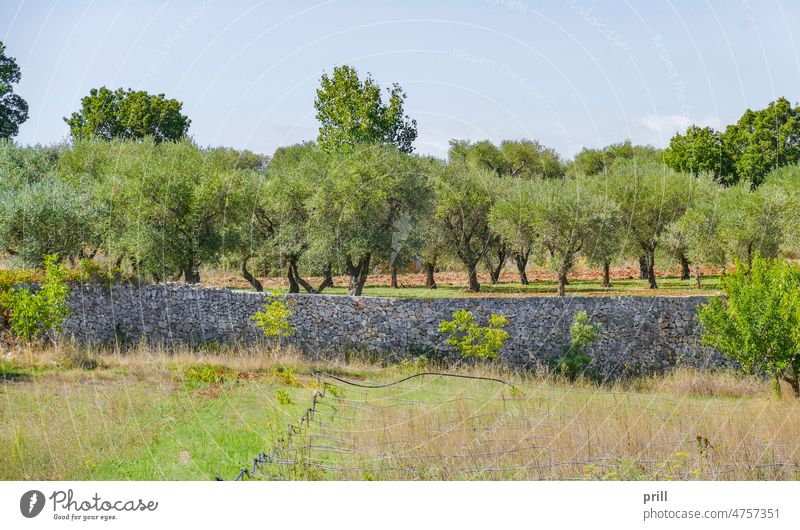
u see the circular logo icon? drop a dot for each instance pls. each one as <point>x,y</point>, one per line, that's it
<point>31,503</point>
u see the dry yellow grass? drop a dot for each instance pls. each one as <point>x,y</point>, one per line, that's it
<point>683,426</point>
<point>67,410</point>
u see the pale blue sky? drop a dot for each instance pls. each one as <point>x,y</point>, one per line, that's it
<point>570,73</point>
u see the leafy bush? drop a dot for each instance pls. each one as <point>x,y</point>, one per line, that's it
<point>33,312</point>
<point>274,319</point>
<point>757,321</point>
<point>89,271</point>
<point>473,340</point>
<point>575,361</point>
<point>283,397</point>
<point>205,374</point>
<point>286,375</point>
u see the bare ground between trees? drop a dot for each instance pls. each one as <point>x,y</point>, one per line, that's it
<point>508,278</point>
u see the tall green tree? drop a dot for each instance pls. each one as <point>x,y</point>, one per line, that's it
<point>128,114</point>
<point>351,112</point>
<point>764,140</point>
<point>13,109</point>
<point>701,150</point>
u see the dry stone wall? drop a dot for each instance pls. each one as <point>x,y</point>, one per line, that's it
<point>639,334</point>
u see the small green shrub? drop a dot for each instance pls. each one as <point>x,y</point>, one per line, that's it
<point>575,361</point>
<point>273,320</point>
<point>89,271</point>
<point>33,312</point>
<point>283,397</point>
<point>286,375</point>
<point>205,374</point>
<point>473,340</point>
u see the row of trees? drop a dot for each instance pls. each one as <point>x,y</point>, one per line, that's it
<point>130,188</point>
<point>165,209</point>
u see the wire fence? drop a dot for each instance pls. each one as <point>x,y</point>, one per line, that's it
<point>439,426</point>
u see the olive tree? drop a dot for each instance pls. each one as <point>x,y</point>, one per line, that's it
<point>171,204</point>
<point>356,207</point>
<point>511,217</point>
<point>43,218</point>
<point>753,221</point>
<point>605,240</point>
<point>281,213</point>
<point>651,196</point>
<point>699,228</point>
<point>464,198</point>
<point>566,213</point>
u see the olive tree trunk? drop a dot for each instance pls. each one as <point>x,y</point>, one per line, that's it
<point>606,274</point>
<point>521,259</point>
<point>249,277</point>
<point>358,275</point>
<point>430,281</point>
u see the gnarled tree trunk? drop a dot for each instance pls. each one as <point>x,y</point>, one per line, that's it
<point>393,284</point>
<point>606,274</point>
<point>474,284</point>
<point>643,275</point>
<point>191,274</point>
<point>651,269</point>
<point>496,269</point>
<point>327,280</point>
<point>686,273</point>
<point>521,259</point>
<point>249,277</point>
<point>291,275</point>
<point>562,282</point>
<point>358,275</point>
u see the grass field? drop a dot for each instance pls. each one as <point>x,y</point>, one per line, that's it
<point>68,413</point>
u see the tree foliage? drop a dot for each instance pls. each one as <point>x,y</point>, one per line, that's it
<point>356,208</point>
<point>351,112</point>
<point>700,150</point>
<point>757,321</point>
<point>471,339</point>
<point>465,195</point>
<point>524,159</point>
<point>128,115</point>
<point>13,109</point>
<point>759,142</point>
<point>650,197</point>
<point>595,161</point>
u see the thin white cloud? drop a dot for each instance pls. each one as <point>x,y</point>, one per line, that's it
<point>657,129</point>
